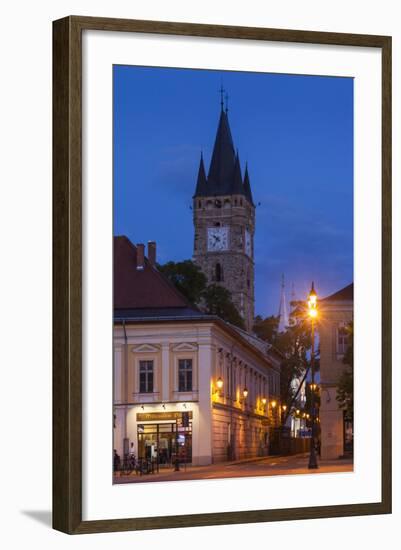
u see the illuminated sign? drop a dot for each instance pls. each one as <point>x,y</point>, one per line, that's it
<point>152,416</point>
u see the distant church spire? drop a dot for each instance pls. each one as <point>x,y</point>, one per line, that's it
<point>282,311</point>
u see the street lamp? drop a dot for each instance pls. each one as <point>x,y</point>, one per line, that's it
<point>245,392</point>
<point>219,383</point>
<point>312,312</point>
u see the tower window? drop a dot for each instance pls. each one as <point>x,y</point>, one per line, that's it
<point>235,202</point>
<point>217,224</point>
<point>218,273</point>
<point>240,202</point>
<point>199,204</point>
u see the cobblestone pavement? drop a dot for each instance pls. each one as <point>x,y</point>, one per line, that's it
<point>268,466</point>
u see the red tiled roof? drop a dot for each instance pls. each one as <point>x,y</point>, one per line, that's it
<point>345,294</point>
<point>146,288</point>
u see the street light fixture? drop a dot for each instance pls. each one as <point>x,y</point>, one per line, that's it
<point>219,383</point>
<point>245,392</point>
<point>312,312</point>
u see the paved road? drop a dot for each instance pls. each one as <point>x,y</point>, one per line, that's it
<point>287,465</point>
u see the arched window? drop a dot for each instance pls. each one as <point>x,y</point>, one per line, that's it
<point>218,273</point>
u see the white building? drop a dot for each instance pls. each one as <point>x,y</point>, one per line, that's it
<point>185,381</point>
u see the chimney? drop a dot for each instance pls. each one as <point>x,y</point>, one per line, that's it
<point>140,256</point>
<point>152,253</point>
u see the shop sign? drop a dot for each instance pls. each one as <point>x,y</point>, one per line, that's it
<point>168,415</point>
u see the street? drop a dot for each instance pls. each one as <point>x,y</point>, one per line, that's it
<point>268,466</point>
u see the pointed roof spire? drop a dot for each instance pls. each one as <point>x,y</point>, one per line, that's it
<point>201,184</point>
<point>223,159</point>
<point>237,187</point>
<point>282,311</point>
<point>247,185</point>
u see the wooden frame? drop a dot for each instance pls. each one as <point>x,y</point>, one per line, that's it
<point>67,279</point>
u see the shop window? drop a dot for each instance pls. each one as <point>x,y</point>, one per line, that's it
<point>145,376</point>
<point>185,375</point>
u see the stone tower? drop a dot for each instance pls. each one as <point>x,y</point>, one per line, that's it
<point>224,222</point>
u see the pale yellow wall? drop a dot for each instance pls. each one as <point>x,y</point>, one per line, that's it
<point>331,368</point>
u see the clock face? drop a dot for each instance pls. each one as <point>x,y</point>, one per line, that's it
<point>217,238</point>
<point>248,244</point>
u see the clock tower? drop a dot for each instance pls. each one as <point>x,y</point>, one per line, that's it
<point>224,222</point>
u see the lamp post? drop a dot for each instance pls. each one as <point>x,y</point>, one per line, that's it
<point>312,312</point>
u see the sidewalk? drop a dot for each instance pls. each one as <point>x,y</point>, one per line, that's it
<point>247,467</point>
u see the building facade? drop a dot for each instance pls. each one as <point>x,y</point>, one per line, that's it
<point>224,222</point>
<point>336,314</point>
<point>185,382</point>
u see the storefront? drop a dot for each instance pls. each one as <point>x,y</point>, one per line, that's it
<point>160,436</point>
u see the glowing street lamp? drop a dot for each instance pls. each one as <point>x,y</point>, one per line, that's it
<point>219,383</point>
<point>313,313</point>
<point>245,392</point>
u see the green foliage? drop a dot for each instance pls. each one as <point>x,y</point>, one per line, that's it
<point>187,277</point>
<point>266,329</point>
<point>294,344</point>
<point>345,387</point>
<point>217,300</point>
<point>192,283</point>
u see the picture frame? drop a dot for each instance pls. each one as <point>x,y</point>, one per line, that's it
<point>67,274</point>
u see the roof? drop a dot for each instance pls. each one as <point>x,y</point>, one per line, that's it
<point>224,177</point>
<point>345,294</point>
<point>161,314</point>
<point>146,295</point>
<point>141,288</point>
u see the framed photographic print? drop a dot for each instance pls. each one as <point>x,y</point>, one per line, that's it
<point>222,275</point>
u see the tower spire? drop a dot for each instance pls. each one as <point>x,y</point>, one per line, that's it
<point>282,311</point>
<point>201,184</point>
<point>247,185</point>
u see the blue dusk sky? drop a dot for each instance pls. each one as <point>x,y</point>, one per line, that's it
<point>295,132</point>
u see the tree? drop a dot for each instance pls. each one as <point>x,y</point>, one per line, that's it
<point>345,387</point>
<point>187,277</point>
<point>217,300</point>
<point>266,329</point>
<point>295,346</point>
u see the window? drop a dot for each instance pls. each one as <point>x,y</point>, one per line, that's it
<point>145,376</point>
<point>185,375</point>
<point>218,273</point>
<point>342,340</point>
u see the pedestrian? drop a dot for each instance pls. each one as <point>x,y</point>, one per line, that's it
<point>116,461</point>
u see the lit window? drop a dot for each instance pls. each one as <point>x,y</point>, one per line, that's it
<point>145,376</point>
<point>185,375</point>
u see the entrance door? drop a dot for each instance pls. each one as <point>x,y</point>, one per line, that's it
<point>161,442</point>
